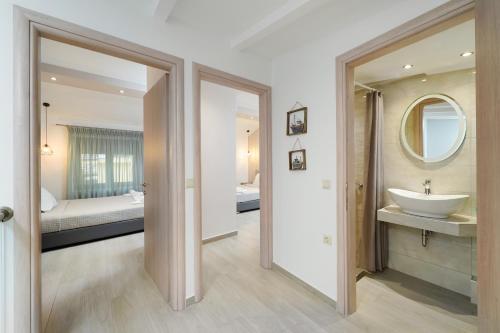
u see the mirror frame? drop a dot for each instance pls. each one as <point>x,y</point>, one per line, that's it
<point>462,129</point>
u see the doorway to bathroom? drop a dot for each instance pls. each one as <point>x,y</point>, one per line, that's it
<point>411,90</point>
<point>415,167</point>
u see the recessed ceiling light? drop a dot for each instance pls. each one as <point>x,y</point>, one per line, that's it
<point>466,54</point>
<point>53,78</point>
<point>424,80</point>
<point>473,72</point>
<point>408,66</point>
<point>122,91</point>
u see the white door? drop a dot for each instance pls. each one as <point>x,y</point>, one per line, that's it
<point>156,240</point>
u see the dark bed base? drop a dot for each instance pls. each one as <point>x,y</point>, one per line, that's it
<point>65,238</point>
<point>247,206</point>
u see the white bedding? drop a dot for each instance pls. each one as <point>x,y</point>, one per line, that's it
<point>72,214</point>
<point>247,193</point>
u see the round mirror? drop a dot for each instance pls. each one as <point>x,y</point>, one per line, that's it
<point>433,128</point>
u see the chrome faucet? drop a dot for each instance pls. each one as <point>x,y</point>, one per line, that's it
<point>427,186</point>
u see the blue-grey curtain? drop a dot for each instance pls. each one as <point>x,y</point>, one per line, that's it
<point>104,162</point>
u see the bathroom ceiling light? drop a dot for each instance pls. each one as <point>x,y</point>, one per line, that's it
<point>408,66</point>
<point>53,78</point>
<point>466,54</point>
<point>424,80</point>
<point>122,91</point>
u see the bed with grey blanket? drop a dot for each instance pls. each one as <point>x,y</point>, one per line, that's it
<point>247,198</point>
<point>83,220</point>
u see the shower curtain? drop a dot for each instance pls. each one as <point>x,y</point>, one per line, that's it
<point>375,233</point>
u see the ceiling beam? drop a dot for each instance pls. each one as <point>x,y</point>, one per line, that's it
<point>164,9</point>
<point>85,80</point>
<point>284,15</point>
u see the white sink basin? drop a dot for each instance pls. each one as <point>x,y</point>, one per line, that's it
<point>432,205</point>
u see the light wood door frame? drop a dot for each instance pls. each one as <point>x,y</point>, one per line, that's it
<point>438,19</point>
<point>204,73</point>
<point>29,26</point>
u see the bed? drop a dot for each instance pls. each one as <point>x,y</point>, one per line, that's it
<point>247,198</point>
<point>78,221</point>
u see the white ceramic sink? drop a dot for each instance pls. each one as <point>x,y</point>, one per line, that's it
<point>432,205</point>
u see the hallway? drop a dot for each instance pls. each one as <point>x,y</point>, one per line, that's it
<point>102,287</point>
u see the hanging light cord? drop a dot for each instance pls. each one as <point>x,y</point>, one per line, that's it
<point>46,115</point>
<point>46,105</point>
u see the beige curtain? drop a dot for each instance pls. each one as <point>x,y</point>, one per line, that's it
<point>375,235</point>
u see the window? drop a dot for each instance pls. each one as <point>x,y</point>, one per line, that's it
<point>104,162</point>
<point>93,168</point>
<point>123,168</point>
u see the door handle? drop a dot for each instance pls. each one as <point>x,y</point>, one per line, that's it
<point>6,213</point>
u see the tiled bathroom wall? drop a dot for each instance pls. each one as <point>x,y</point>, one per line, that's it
<point>453,176</point>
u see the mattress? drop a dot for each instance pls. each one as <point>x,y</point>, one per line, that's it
<point>247,193</point>
<point>72,214</point>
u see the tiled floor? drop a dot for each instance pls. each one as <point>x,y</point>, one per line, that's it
<point>102,287</point>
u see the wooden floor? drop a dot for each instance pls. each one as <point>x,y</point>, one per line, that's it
<point>102,287</point>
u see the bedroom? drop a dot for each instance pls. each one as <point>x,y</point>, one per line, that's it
<point>92,156</point>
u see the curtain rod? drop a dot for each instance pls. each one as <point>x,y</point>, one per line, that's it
<point>118,129</point>
<point>356,83</point>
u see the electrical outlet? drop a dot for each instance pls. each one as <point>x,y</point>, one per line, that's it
<point>326,184</point>
<point>327,239</point>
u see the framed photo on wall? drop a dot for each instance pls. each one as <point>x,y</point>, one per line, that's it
<point>297,160</point>
<point>296,121</point>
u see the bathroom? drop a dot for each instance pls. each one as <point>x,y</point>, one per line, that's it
<point>414,124</point>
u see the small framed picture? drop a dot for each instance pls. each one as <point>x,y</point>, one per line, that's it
<point>297,159</point>
<point>296,121</point>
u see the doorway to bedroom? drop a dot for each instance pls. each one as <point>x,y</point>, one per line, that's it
<point>101,184</point>
<point>230,184</point>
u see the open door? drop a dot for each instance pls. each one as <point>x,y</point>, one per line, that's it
<point>156,239</point>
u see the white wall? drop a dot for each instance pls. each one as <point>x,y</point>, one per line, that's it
<point>303,212</point>
<point>81,107</point>
<point>218,159</point>
<point>128,20</point>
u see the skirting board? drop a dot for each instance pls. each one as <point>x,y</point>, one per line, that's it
<point>307,286</point>
<point>219,237</point>
<point>473,291</point>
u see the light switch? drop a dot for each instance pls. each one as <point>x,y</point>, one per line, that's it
<point>326,184</point>
<point>327,239</point>
<point>189,183</point>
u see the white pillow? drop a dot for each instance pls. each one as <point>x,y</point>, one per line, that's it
<point>47,201</point>
<point>256,181</point>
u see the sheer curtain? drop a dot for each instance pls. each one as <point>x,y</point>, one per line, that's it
<point>375,233</point>
<point>104,162</point>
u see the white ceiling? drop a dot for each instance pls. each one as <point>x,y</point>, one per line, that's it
<point>82,68</point>
<point>247,104</point>
<point>266,27</point>
<point>69,56</point>
<point>438,53</point>
<point>222,17</point>
<point>315,22</point>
